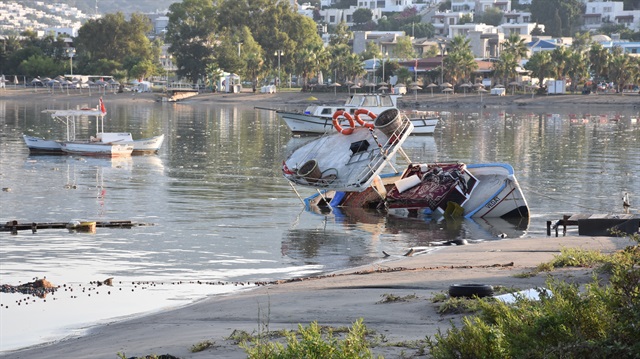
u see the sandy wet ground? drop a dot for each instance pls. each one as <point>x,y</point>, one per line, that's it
<point>335,300</point>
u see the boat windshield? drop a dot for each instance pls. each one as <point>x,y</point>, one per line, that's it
<point>356,101</point>
<point>385,101</point>
<point>370,101</point>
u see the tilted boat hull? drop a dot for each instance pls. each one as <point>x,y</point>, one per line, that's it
<point>493,192</point>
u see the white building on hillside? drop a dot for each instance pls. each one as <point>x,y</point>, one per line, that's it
<point>382,5</point>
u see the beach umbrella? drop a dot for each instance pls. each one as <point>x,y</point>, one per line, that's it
<point>481,90</point>
<point>498,86</point>
<point>533,89</point>
<point>446,84</point>
<point>514,84</point>
<point>415,89</point>
<point>401,85</point>
<point>335,86</point>
<point>383,88</point>
<point>355,88</point>
<point>383,83</point>
<point>465,86</point>
<point>431,86</point>
<point>447,91</point>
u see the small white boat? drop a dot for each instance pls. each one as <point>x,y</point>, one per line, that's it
<point>97,149</point>
<point>319,119</point>
<point>346,171</point>
<point>70,117</point>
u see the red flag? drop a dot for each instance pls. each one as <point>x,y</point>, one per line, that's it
<point>102,109</point>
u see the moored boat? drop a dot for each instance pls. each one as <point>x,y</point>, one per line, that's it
<point>318,119</point>
<point>69,118</point>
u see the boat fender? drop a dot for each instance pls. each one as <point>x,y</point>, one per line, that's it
<point>336,123</point>
<point>364,111</point>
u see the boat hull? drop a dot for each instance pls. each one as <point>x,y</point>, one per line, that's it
<point>97,149</point>
<point>491,191</point>
<point>143,146</point>
<point>40,145</point>
<point>300,123</point>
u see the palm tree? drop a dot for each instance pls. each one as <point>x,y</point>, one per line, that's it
<point>559,57</point>
<point>540,65</point>
<point>599,57</point>
<point>310,61</point>
<point>577,68</point>
<point>460,62</point>
<point>515,46</point>
<point>621,71</point>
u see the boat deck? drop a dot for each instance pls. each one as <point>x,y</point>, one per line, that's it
<point>346,162</point>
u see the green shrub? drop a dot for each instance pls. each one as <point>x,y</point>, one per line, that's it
<point>313,344</point>
<point>600,321</point>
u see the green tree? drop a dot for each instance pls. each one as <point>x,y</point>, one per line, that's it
<point>114,38</point>
<point>559,58</point>
<point>569,13</point>
<point>362,16</point>
<point>404,48</point>
<point>492,16</point>
<point>341,35</point>
<point>189,34</point>
<point>419,30</point>
<point>540,65</point>
<point>599,58</point>
<point>371,50</point>
<point>466,19</point>
<point>622,70</point>
<point>577,68</point>
<point>581,41</point>
<point>310,61</point>
<point>40,65</point>
<point>459,63</point>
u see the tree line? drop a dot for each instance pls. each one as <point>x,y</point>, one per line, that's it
<point>262,40</point>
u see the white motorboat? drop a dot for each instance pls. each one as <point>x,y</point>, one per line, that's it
<point>319,119</point>
<point>345,169</point>
<point>70,117</point>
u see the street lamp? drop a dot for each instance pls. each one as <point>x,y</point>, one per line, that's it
<point>71,52</point>
<point>278,53</point>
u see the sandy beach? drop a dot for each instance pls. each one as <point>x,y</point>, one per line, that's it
<point>336,299</point>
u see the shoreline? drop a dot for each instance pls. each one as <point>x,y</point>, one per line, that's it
<point>288,100</point>
<point>335,300</point>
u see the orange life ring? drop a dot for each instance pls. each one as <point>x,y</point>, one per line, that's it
<point>336,123</point>
<point>364,111</point>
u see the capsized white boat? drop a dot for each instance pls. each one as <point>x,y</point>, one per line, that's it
<point>330,162</point>
<point>69,118</point>
<point>351,160</point>
<point>319,119</point>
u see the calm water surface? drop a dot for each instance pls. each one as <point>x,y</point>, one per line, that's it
<point>220,211</point>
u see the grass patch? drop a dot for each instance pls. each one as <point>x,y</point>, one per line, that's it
<point>202,346</point>
<point>392,298</point>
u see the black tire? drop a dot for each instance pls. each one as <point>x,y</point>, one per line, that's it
<point>470,290</point>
